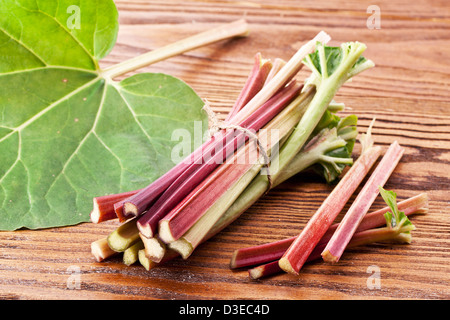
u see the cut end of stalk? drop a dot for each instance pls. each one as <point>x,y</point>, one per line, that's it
<point>101,250</point>
<point>328,257</point>
<point>286,266</point>
<point>95,213</point>
<point>154,248</point>
<point>129,209</point>
<point>165,233</point>
<point>241,28</point>
<point>323,37</point>
<point>145,230</point>
<point>233,264</point>
<point>123,237</point>
<point>130,256</point>
<point>144,261</point>
<point>255,273</point>
<point>183,247</point>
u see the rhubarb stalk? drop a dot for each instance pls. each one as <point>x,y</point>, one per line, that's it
<point>155,249</point>
<point>398,229</point>
<point>272,251</point>
<point>400,234</point>
<point>131,254</point>
<point>233,29</point>
<point>300,249</point>
<point>336,246</point>
<point>104,210</point>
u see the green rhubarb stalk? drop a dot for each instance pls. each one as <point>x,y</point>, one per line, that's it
<point>331,149</point>
<point>283,123</point>
<point>398,229</point>
<point>131,254</point>
<point>145,261</point>
<point>155,249</point>
<point>124,236</point>
<point>233,29</point>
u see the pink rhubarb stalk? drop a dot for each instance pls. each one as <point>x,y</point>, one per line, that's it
<point>255,82</point>
<point>104,210</point>
<point>336,246</point>
<point>358,239</point>
<point>261,69</point>
<point>297,254</point>
<point>269,252</point>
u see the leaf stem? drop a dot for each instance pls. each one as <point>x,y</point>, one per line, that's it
<point>233,29</point>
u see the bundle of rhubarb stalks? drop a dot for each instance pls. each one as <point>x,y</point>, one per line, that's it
<point>277,128</point>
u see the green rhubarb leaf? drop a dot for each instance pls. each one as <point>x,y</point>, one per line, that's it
<point>67,132</point>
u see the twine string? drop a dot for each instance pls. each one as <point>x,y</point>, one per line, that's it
<point>217,125</point>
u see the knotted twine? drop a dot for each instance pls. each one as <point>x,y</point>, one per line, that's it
<point>217,125</point>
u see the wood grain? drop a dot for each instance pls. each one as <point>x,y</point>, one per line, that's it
<point>407,92</point>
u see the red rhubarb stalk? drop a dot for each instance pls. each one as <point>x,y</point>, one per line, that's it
<point>336,246</point>
<point>269,252</point>
<point>358,239</point>
<point>104,210</point>
<point>261,69</point>
<point>294,258</point>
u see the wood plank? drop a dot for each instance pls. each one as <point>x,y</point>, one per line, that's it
<point>407,93</point>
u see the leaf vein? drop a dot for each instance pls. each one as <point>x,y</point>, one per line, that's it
<point>91,131</point>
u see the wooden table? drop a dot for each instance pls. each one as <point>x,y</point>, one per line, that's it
<point>408,93</point>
